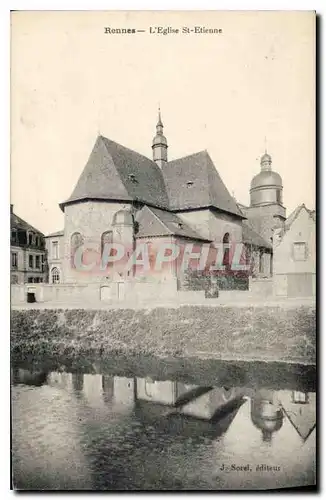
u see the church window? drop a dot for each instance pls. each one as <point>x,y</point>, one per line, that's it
<point>106,239</point>
<point>75,242</point>
<point>55,275</point>
<point>226,249</point>
<point>299,251</point>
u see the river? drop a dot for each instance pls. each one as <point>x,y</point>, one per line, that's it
<point>236,426</point>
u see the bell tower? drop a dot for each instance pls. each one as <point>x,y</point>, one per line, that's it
<point>159,145</point>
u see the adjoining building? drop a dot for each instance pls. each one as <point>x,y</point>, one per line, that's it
<point>55,252</point>
<point>27,252</point>
<point>294,250</point>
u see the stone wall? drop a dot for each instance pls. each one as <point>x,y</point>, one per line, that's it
<point>213,225</point>
<point>295,285</point>
<point>132,292</point>
<point>261,287</point>
<point>91,219</point>
<point>55,293</point>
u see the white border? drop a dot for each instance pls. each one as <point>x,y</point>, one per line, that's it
<point>5,8</point>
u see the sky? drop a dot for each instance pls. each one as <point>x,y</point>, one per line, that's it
<point>230,93</point>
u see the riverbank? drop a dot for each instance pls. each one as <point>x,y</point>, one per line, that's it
<point>262,332</point>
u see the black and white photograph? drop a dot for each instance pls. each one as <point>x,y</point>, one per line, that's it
<point>163,250</point>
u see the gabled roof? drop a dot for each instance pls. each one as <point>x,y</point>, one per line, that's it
<point>57,233</point>
<point>155,222</point>
<point>114,172</point>
<point>293,216</point>
<point>193,182</point>
<point>21,225</point>
<point>249,235</point>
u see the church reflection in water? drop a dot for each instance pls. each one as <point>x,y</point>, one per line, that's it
<point>158,401</point>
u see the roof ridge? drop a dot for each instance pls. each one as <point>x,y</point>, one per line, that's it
<point>122,146</point>
<point>188,156</point>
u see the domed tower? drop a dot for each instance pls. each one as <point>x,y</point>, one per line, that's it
<point>266,187</point>
<point>266,414</point>
<point>160,145</point>
<point>266,210</point>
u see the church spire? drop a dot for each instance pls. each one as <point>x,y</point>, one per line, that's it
<point>159,145</point>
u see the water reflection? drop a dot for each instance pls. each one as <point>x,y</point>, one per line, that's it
<point>266,413</point>
<point>131,433</point>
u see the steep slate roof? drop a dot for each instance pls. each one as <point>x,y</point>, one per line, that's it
<point>193,182</point>
<point>114,172</point>
<point>155,222</point>
<point>21,225</point>
<point>249,235</point>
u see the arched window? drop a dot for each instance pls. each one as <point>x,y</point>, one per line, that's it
<point>226,249</point>
<point>55,275</point>
<point>106,239</point>
<point>76,241</point>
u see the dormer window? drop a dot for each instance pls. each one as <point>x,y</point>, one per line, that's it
<point>180,225</point>
<point>14,235</point>
<point>133,178</point>
<point>190,184</point>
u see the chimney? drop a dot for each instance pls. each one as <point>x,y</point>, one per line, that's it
<point>11,208</point>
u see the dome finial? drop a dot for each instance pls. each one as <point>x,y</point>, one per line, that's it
<point>265,141</point>
<point>266,161</point>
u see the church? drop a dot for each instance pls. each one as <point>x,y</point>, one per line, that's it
<point>123,196</point>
